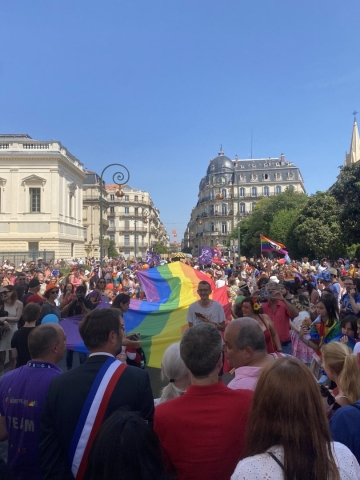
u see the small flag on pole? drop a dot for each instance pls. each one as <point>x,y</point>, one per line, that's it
<point>268,245</point>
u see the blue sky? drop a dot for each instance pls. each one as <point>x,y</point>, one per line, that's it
<point>159,85</point>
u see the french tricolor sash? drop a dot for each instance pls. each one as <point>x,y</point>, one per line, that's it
<point>92,415</point>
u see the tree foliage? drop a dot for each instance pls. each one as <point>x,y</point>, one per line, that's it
<point>271,217</point>
<point>112,252</point>
<point>159,249</point>
<point>347,193</point>
<point>317,233</point>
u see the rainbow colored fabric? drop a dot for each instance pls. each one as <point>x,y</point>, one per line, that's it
<point>268,245</point>
<point>161,319</point>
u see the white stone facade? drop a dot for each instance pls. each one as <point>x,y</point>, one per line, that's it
<point>134,221</point>
<point>229,192</point>
<point>41,197</point>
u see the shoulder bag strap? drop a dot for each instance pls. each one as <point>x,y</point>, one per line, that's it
<point>276,460</point>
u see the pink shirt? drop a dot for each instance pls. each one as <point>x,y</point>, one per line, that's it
<point>280,318</point>
<point>245,378</point>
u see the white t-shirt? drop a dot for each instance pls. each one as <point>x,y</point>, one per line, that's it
<point>214,312</point>
<point>356,348</point>
<point>259,467</point>
<point>220,283</point>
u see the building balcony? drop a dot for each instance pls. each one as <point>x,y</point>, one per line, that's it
<point>110,229</point>
<point>131,244</point>
<point>132,229</point>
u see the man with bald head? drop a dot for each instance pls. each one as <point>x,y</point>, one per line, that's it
<point>245,348</point>
<point>22,398</point>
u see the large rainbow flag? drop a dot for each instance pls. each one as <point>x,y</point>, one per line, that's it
<point>161,319</point>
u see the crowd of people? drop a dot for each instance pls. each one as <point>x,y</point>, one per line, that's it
<point>271,390</point>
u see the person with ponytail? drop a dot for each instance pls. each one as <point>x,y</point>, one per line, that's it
<point>340,366</point>
<point>173,370</point>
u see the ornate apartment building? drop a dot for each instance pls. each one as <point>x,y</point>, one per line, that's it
<point>229,192</point>
<point>40,197</point>
<point>134,221</point>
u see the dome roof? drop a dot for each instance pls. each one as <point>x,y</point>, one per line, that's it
<point>220,164</point>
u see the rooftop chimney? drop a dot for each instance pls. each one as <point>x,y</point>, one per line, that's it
<point>282,158</point>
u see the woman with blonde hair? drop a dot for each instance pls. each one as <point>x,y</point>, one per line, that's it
<point>288,435</point>
<point>340,366</point>
<point>173,370</point>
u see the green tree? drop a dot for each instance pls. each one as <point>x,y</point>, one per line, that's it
<point>282,225</point>
<point>261,220</point>
<point>158,248</point>
<point>317,232</point>
<point>347,193</point>
<point>112,252</point>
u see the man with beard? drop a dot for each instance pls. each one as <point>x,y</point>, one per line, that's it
<point>80,400</point>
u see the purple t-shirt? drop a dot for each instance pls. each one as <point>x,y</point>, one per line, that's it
<point>22,397</point>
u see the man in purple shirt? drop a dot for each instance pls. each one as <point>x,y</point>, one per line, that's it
<point>245,348</point>
<point>22,398</point>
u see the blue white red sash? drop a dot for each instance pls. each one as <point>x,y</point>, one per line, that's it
<point>92,415</point>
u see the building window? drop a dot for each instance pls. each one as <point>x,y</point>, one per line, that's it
<point>33,246</point>
<point>242,178</point>
<point>126,239</point>
<point>254,191</point>
<point>266,191</point>
<point>265,176</point>
<point>127,224</point>
<point>34,200</point>
<point>136,211</point>
<point>224,227</point>
<point>112,238</point>
<point>254,177</point>
<point>290,187</point>
<point>211,243</point>
<point>242,192</point>
<point>253,206</point>
<point>112,197</point>
<point>112,209</point>
<point>212,210</point>
<point>111,223</point>
<point>242,207</point>
<point>212,195</point>
<point>224,243</point>
<point>136,198</point>
<point>278,176</point>
<point>126,198</point>
<point>224,192</point>
<point>224,209</point>
<point>126,210</point>
<point>212,227</point>
<point>278,189</point>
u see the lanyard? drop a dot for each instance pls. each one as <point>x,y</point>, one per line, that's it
<point>39,364</point>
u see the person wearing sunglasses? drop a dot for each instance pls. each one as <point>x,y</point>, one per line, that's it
<point>51,294</point>
<point>97,295</point>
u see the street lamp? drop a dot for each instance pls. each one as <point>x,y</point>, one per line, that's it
<point>119,178</point>
<point>145,214</point>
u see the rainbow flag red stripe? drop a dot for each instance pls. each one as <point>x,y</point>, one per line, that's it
<point>268,245</point>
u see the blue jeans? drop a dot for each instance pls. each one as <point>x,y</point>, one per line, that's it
<point>286,347</point>
<point>70,356</point>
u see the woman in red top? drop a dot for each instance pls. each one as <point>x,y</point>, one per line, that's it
<point>252,308</point>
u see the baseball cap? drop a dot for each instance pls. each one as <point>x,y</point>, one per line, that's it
<point>325,275</point>
<point>332,271</point>
<point>34,283</point>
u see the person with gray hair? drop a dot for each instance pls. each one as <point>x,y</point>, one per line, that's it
<point>191,444</point>
<point>174,370</point>
<point>22,398</point>
<point>245,348</point>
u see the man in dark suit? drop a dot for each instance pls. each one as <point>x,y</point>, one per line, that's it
<point>102,332</point>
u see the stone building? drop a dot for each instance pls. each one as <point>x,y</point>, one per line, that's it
<point>229,192</point>
<point>40,197</point>
<point>134,221</point>
<point>92,190</point>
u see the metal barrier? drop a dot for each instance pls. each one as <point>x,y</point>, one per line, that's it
<point>30,256</point>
